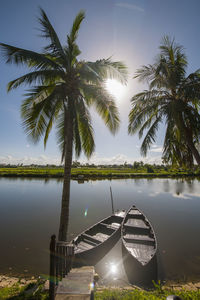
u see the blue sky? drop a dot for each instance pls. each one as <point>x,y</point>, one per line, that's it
<point>129,30</point>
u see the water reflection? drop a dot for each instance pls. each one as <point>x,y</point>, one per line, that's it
<point>30,209</point>
<point>111,269</point>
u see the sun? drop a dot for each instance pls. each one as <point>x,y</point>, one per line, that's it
<point>115,88</point>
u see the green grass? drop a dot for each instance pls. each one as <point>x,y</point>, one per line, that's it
<point>35,292</point>
<point>93,173</point>
<point>28,292</point>
<point>144,295</point>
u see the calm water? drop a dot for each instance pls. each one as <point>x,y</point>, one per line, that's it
<point>29,214</point>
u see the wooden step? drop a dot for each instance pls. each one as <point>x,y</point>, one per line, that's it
<point>78,284</point>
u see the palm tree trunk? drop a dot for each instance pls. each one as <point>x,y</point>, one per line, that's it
<point>64,216</point>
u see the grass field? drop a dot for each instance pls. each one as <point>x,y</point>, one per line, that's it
<point>157,294</point>
<point>36,292</point>
<point>94,173</point>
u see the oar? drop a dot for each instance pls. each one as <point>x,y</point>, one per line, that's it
<point>111,200</point>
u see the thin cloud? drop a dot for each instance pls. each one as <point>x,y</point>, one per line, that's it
<point>120,159</point>
<point>28,160</point>
<point>157,150</point>
<point>130,6</point>
<point>95,159</point>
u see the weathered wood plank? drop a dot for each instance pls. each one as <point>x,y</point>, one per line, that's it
<point>78,284</point>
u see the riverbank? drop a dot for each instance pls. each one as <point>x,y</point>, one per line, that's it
<point>22,288</point>
<point>83,173</point>
<point>32,288</point>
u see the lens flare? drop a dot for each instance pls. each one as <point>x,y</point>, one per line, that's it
<point>86,212</point>
<point>92,286</point>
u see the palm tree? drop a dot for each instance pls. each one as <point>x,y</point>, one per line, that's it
<point>173,98</point>
<point>64,89</point>
<point>177,153</point>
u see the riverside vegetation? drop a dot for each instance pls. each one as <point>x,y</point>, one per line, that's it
<point>37,291</point>
<point>138,169</point>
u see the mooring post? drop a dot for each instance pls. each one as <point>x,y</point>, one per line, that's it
<point>112,200</point>
<point>52,267</point>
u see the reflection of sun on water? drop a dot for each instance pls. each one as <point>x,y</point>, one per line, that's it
<point>115,88</point>
<point>113,268</point>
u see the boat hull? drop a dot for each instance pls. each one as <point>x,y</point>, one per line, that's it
<point>139,247</point>
<point>94,243</point>
<point>93,256</point>
<point>138,274</point>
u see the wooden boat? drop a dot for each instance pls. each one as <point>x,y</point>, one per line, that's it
<point>139,248</point>
<point>93,244</point>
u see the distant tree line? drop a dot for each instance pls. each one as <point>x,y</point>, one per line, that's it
<point>136,165</point>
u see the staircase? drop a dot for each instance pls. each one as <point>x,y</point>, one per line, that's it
<point>78,284</point>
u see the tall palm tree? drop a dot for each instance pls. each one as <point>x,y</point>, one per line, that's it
<point>173,98</point>
<point>64,89</point>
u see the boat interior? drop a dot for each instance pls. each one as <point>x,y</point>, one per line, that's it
<point>97,234</point>
<point>138,236</point>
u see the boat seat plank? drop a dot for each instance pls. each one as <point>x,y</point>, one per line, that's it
<point>135,212</point>
<point>115,225</point>
<point>135,216</point>
<point>137,237</point>
<point>136,223</point>
<point>84,246</point>
<point>109,226</point>
<point>88,241</point>
<point>101,236</point>
<point>91,238</point>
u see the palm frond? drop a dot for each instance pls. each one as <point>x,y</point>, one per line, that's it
<point>53,116</point>
<point>145,106</point>
<point>104,104</point>
<point>145,73</point>
<point>60,125</point>
<point>76,26</point>
<point>77,138</point>
<point>106,68</point>
<point>26,57</point>
<point>39,77</point>
<point>150,137</point>
<point>49,32</point>
<point>85,127</point>
<point>37,110</point>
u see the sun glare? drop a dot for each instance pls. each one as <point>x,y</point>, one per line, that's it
<point>113,268</point>
<point>115,88</point>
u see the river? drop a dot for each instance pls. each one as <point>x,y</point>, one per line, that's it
<point>30,209</point>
